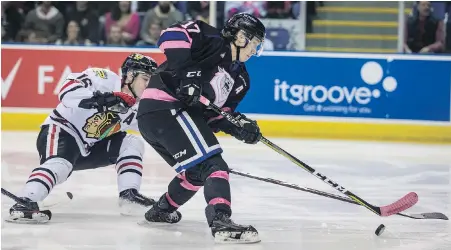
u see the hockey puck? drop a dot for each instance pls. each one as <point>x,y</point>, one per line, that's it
<point>380,229</point>
<point>70,195</point>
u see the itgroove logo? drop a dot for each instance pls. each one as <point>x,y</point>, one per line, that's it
<point>371,74</point>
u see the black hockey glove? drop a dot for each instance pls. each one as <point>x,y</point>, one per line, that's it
<point>249,133</point>
<point>108,101</point>
<point>190,88</point>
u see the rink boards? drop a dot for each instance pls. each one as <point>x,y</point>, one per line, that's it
<point>12,121</point>
<point>293,94</point>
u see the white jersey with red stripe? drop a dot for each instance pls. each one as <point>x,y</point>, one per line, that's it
<point>89,126</point>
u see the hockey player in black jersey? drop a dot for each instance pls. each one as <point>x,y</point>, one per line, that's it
<point>201,61</point>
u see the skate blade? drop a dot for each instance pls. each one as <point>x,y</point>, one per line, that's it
<point>27,221</point>
<point>246,238</point>
<point>37,218</point>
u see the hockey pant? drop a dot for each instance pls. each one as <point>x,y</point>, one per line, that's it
<point>189,146</point>
<point>60,155</point>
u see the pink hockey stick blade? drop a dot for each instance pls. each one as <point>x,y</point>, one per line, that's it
<point>402,204</point>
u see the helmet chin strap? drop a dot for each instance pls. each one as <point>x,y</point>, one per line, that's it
<point>129,85</point>
<point>131,90</point>
<point>237,62</point>
<point>237,58</point>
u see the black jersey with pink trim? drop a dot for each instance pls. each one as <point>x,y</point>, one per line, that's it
<point>195,44</point>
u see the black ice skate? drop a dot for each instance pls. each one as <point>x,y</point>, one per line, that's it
<point>28,214</point>
<point>131,202</point>
<point>160,213</point>
<point>226,231</point>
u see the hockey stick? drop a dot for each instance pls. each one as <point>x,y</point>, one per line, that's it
<point>432,216</point>
<point>41,205</point>
<point>15,198</point>
<point>27,204</point>
<point>402,204</point>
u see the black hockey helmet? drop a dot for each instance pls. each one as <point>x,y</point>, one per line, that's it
<point>137,63</point>
<point>250,25</point>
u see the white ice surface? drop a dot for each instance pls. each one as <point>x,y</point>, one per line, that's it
<point>286,218</point>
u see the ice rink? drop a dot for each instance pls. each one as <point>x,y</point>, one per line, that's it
<point>286,219</point>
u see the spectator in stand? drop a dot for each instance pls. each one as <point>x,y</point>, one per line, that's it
<point>73,35</point>
<point>423,32</point>
<point>47,20</point>
<point>199,10</point>
<point>164,13</point>
<point>12,20</point>
<point>153,35</point>
<point>88,21</point>
<point>181,6</point>
<point>255,8</point>
<point>144,6</point>
<point>36,37</point>
<point>115,36</point>
<point>438,9</point>
<point>281,9</point>
<point>122,16</point>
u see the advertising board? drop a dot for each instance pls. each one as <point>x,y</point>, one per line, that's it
<point>293,94</point>
<point>350,87</point>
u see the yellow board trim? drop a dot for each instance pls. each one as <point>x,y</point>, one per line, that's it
<point>360,50</point>
<point>297,129</point>
<point>357,131</point>
<point>352,37</point>
<point>366,24</point>
<point>22,122</point>
<point>373,10</point>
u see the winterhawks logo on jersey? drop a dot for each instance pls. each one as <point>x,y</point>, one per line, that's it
<point>102,125</point>
<point>100,73</point>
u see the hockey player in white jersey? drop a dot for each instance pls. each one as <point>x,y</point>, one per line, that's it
<point>87,130</point>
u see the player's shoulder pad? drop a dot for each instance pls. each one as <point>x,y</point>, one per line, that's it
<point>104,79</point>
<point>196,27</point>
<point>203,24</point>
<point>206,28</point>
<point>101,73</point>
